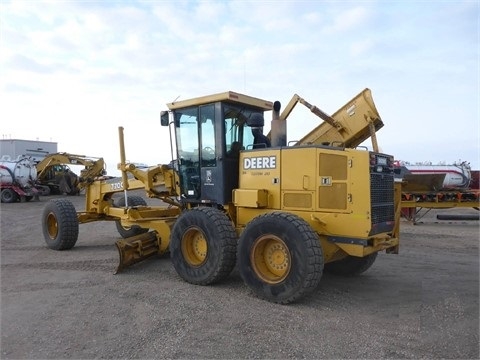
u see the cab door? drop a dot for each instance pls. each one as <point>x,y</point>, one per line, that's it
<point>210,155</point>
<point>198,153</point>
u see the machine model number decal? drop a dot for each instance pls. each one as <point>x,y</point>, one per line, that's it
<point>261,162</point>
<point>117,186</point>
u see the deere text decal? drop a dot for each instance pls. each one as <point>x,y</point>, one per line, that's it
<point>261,162</point>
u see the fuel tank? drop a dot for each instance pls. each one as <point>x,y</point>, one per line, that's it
<point>21,172</point>
<point>455,176</point>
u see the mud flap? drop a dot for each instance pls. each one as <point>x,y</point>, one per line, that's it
<point>136,248</point>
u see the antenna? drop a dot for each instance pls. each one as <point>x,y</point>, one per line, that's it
<point>244,74</point>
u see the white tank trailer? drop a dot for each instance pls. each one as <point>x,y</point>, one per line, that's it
<point>455,176</point>
<point>17,179</point>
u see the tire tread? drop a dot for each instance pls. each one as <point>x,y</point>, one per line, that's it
<point>313,258</point>
<point>226,238</point>
<point>66,216</point>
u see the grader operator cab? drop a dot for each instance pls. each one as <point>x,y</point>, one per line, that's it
<point>283,214</point>
<point>210,133</point>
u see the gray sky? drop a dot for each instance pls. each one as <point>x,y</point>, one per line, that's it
<point>73,71</point>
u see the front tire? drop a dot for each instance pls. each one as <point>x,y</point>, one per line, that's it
<point>129,231</point>
<point>280,257</point>
<point>351,265</point>
<point>203,246</point>
<point>60,224</point>
<point>8,196</point>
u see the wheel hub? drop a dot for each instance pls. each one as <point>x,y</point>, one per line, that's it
<point>194,247</point>
<point>52,226</point>
<point>271,259</point>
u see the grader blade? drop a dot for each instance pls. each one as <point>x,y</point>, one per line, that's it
<point>136,248</point>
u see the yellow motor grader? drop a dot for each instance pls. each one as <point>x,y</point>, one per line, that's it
<point>284,213</point>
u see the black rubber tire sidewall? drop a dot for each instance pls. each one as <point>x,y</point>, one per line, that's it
<point>67,221</point>
<point>306,257</point>
<point>221,239</point>
<point>135,229</point>
<point>8,196</point>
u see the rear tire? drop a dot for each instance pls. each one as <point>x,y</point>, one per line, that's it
<point>351,265</point>
<point>8,196</point>
<point>60,224</point>
<point>203,246</point>
<point>280,257</point>
<point>129,231</point>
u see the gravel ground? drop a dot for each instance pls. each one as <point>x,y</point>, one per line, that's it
<point>422,303</point>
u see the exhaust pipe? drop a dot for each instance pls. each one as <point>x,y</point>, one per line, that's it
<point>278,131</point>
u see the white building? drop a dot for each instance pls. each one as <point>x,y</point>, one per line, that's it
<point>37,150</point>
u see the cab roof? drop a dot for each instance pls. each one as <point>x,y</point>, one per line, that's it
<point>229,96</point>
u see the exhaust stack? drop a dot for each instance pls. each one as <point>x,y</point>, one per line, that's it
<point>278,126</point>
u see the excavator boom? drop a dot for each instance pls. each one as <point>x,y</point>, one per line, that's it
<point>96,164</point>
<point>52,171</point>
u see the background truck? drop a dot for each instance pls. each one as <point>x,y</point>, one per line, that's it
<point>426,186</point>
<point>17,179</point>
<point>283,214</point>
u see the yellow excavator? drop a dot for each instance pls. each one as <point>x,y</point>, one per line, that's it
<point>283,214</point>
<point>54,176</point>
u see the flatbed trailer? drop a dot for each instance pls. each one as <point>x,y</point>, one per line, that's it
<point>415,205</point>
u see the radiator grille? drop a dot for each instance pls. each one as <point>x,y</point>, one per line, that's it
<point>382,197</point>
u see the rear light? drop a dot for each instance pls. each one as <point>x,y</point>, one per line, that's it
<point>381,163</point>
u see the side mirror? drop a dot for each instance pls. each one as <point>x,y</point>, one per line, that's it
<point>164,118</point>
